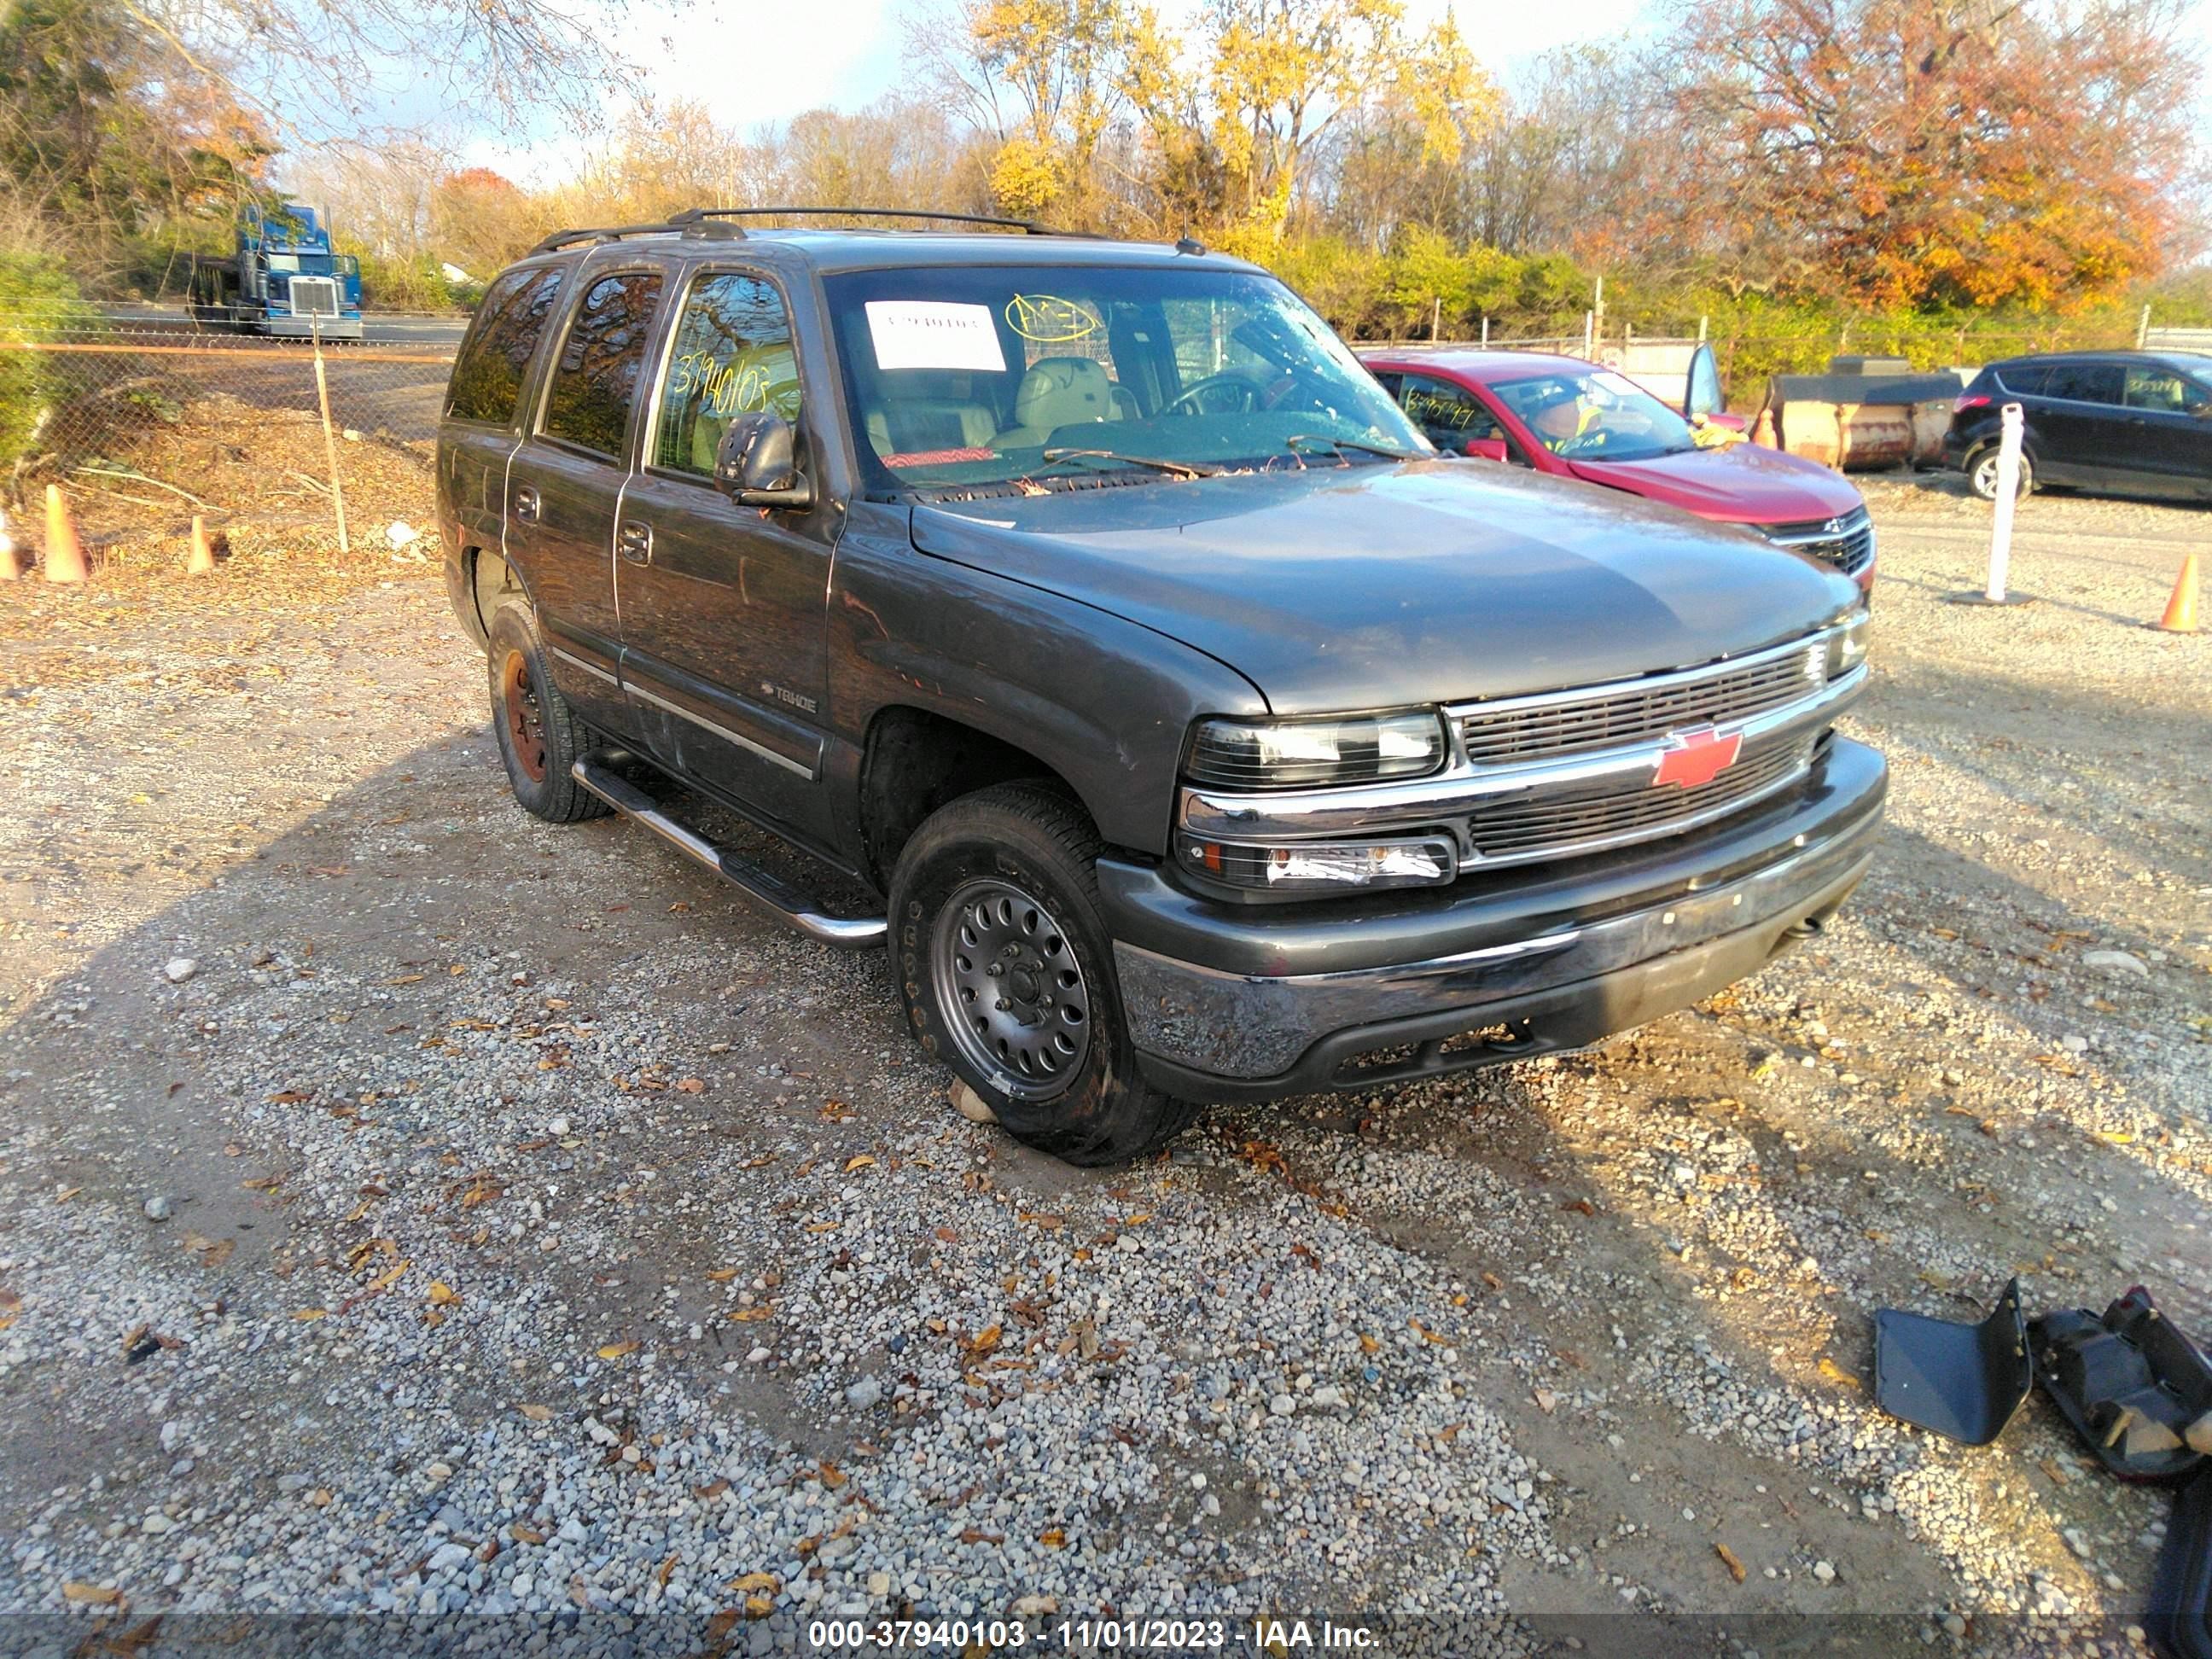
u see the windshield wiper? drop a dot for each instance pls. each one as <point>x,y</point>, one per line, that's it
<point>1173,468</point>
<point>1300,441</point>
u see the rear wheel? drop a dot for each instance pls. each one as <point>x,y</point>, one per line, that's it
<point>538,734</point>
<point>1007,975</point>
<point>1982,474</point>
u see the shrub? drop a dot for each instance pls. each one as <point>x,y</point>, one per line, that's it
<point>38,301</point>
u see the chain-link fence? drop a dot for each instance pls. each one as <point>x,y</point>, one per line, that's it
<point>93,401</point>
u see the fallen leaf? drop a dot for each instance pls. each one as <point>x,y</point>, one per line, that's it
<point>756,1581</point>
<point>1729,1560</point>
<point>759,1606</point>
<point>667,1571</point>
<point>523,1534</point>
<point>306,1314</point>
<point>616,1350</point>
<point>97,1595</point>
<point>1055,1538</point>
<point>822,1227</point>
<point>985,1339</point>
<point>832,1476</point>
<point>1547,1401</point>
<point>722,1275</point>
<point>690,1086</point>
<point>1836,1373</point>
<point>537,1413</point>
<point>859,1162</point>
<point>971,1535</point>
<point>1493,1280</point>
<point>67,1193</point>
<point>1369,1345</point>
<point>710,1491</point>
<point>747,1316</point>
<point>443,1295</point>
<point>291,1097</point>
<point>947,1236</point>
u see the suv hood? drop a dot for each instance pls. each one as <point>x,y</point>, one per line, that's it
<point>1741,483</point>
<point>1367,587</point>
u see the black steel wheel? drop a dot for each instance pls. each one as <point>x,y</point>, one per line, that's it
<point>1009,988</point>
<point>1007,974</point>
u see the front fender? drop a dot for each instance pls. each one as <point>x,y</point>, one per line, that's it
<point>1104,703</point>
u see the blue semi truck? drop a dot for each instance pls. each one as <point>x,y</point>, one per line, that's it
<point>285,278</point>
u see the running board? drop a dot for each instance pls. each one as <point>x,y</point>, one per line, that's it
<point>785,903</point>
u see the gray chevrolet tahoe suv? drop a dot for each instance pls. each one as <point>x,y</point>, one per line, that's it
<point>1206,734</point>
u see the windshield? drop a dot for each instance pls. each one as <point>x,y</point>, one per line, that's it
<point>964,378</point>
<point>1594,415</point>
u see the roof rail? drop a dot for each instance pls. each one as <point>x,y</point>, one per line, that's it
<point>1027,227</point>
<point>707,223</point>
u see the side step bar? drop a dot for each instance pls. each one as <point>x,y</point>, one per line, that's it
<point>774,894</point>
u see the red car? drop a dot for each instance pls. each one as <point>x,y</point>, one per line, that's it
<point>1563,416</point>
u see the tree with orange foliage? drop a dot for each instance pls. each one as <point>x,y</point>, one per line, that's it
<point>1930,152</point>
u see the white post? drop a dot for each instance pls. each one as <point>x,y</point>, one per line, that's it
<point>330,434</point>
<point>1486,328</point>
<point>1435,317</point>
<point>2008,487</point>
<point>2142,328</point>
<point>1589,332</point>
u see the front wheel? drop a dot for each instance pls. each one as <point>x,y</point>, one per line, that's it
<point>1007,975</point>
<point>1982,474</point>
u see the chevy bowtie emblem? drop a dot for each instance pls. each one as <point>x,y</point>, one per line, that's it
<point>1696,757</point>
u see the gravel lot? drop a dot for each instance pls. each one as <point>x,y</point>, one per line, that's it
<point>407,1206</point>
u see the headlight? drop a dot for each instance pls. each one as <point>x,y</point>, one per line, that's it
<point>1315,754</point>
<point>1324,866</point>
<point>1847,646</point>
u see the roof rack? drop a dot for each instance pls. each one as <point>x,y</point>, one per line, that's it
<point>706,224</point>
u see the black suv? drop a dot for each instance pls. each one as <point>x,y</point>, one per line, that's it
<point>1207,735</point>
<point>2130,421</point>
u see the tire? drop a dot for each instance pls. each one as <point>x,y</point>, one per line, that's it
<point>1982,473</point>
<point>538,734</point>
<point>996,891</point>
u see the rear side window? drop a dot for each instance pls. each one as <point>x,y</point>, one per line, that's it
<point>488,373</point>
<point>2024,379</point>
<point>732,355</point>
<point>588,402</point>
<point>2085,383</point>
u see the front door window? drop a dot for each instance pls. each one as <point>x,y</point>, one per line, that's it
<point>732,355</point>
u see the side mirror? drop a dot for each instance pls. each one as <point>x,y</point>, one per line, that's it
<point>1487,449</point>
<point>756,464</point>
<point>1722,419</point>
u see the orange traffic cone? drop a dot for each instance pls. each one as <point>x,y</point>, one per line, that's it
<point>1762,433</point>
<point>64,557</point>
<point>202,562</point>
<point>2180,616</point>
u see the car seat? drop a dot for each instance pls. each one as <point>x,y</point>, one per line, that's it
<point>1060,392</point>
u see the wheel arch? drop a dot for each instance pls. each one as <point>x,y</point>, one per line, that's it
<point>915,760</point>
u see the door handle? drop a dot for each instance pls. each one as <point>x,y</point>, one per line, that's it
<point>526,504</point>
<point>635,539</point>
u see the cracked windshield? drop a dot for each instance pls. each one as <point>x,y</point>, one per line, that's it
<point>1035,377</point>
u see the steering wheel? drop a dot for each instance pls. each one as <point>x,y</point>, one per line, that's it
<point>1244,396</point>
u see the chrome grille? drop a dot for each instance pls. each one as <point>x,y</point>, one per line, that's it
<point>1575,723</point>
<point>1534,829</point>
<point>1849,545</point>
<point>315,296</point>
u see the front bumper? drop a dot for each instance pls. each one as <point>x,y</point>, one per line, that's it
<point>1231,1002</point>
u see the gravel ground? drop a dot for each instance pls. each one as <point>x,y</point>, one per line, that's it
<point>408,1206</point>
